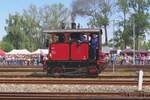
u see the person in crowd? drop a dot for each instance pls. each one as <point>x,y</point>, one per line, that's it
<point>94,45</point>
<point>45,62</point>
<point>137,60</point>
<point>113,59</point>
<point>120,59</point>
<point>41,59</point>
<point>142,59</point>
<point>126,59</point>
<point>75,38</point>
<point>83,38</point>
<point>148,59</point>
<point>61,38</point>
<point>107,59</point>
<point>130,59</point>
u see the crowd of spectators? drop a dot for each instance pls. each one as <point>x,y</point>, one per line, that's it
<point>139,59</point>
<point>40,59</point>
<point>23,60</point>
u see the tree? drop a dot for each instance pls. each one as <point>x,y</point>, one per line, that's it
<point>146,45</point>
<point>14,30</point>
<point>32,28</point>
<point>98,12</point>
<point>25,29</point>
<point>135,13</point>
<point>123,38</point>
<point>124,8</point>
<point>140,17</point>
<point>17,36</point>
<point>53,15</point>
<point>6,46</point>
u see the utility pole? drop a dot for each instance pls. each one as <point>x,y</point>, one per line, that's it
<point>113,45</point>
<point>113,33</point>
<point>133,41</point>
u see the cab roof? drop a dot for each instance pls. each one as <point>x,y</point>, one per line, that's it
<point>72,31</point>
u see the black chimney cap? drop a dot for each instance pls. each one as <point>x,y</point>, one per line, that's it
<point>63,25</point>
<point>73,25</point>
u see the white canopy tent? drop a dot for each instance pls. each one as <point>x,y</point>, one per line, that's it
<point>41,51</point>
<point>11,52</point>
<point>19,52</point>
<point>106,49</point>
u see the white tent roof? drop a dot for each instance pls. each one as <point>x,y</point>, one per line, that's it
<point>24,51</point>
<point>106,49</point>
<point>41,51</point>
<point>118,51</point>
<point>19,52</point>
<point>12,52</point>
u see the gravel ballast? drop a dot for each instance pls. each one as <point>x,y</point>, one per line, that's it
<point>68,88</point>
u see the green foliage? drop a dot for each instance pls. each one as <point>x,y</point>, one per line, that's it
<point>98,12</point>
<point>15,34</point>
<point>146,45</point>
<point>123,6</point>
<point>24,30</point>
<point>6,46</point>
<point>138,16</point>
<point>53,15</point>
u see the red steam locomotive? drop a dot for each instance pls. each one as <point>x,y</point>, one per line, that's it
<point>74,52</point>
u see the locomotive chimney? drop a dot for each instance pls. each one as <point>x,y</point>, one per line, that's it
<point>73,25</point>
<point>63,25</point>
<point>78,26</point>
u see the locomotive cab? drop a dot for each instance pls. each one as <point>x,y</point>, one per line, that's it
<point>74,52</point>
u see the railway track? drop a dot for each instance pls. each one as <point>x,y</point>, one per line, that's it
<point>43,79</point>
<point>21,69</point>
<point>127,68</point>
<point>33,71</point>
<point>18,66</point>
<point>118,68</point>
<point>72,81</point>
<point>44,75</point>
<point>75,96</point>
<point>106,67</point>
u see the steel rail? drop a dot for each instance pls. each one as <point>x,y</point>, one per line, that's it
<point>74,96</point>
<point>21,70</point>
<point>18,66</point>
<point>74,82</point>
<point>108,66</point>
<point>35,75</point>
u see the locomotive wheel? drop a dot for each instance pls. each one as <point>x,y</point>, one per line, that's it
<point>56,71</point>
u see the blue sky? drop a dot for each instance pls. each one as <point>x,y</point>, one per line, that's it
<point>12,6</point>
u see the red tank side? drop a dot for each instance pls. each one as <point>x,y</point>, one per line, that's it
<point>79,51</point>
<point>59,51</point>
